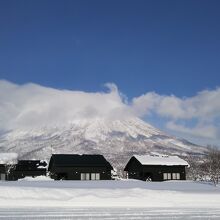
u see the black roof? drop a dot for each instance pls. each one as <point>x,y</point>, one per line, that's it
<point>36,163</point>
<point>77,160</point>
<point>23,165</point>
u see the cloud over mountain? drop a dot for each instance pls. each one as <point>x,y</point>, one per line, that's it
<point>31,105</point>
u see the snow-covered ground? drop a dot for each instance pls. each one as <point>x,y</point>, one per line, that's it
<point>108,213</point>
<point>122,193</point>
<point>142,200</point>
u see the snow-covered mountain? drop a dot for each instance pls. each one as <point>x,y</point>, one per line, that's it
<point>117,140</point>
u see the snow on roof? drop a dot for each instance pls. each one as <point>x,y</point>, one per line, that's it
<point>160,160</point>
<point>8,158</point>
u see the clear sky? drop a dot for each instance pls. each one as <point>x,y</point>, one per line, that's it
<point>170,47</point>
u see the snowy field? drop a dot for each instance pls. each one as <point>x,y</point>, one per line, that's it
<point>109,213</point>
<point>124,199</point>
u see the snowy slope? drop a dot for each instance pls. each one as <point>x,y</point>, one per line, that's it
<point>115,139</point>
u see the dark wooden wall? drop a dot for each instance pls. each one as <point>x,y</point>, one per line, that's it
<point>19,174</point>
<point>74,173</point>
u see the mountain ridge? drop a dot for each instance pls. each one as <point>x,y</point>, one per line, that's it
<point>117,140</point>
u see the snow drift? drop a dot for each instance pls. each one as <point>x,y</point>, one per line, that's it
<point>127,193</point>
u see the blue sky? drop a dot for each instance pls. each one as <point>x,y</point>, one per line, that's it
<point>170,47</point>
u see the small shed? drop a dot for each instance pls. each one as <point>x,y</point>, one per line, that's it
<point>156,167</point>
<point>79,167</point>
<point>7,163</point>
<point>31,168</point>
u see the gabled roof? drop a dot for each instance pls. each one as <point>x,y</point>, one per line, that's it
<point>163,160</point>
<point>77,160</point>
<point>8,158</point>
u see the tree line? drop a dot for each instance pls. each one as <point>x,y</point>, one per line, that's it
<point>206,167</point>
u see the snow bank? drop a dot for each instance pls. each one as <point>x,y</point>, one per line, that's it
<point>109,194</point>
<point>38,178</point>
<point>160,160</point>
<point>8,158</point>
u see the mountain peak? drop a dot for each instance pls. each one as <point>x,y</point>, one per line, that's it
<point>115,139</point>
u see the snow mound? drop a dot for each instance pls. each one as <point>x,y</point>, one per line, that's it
<point>38,178</point>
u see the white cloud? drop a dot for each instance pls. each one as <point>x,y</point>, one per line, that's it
<point>200,130</point>
<point>204,105</point>
<point>204,108</point>
<point>31,105</point>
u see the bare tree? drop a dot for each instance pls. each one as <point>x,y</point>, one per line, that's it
<point>211,165</point>
<point>195,171</point>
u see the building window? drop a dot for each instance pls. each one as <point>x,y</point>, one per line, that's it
<point>90,176</point>
<point>165,176</point>
<point>169,176</point>
<point>93,176</point>
<point>97,176</point>
<point>176,176</point>
<point>83,176</point>
<point>87,176</point>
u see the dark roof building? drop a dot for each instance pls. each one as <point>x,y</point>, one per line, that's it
<point>156,168</point>
<point>79,167</point>
<point>31,168</point>
<point>13,169</point>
